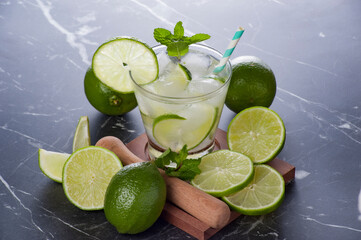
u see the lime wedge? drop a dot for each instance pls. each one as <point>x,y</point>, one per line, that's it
<point>52,163</point>
<point>257,132</point>
<point>82,134</point>
<point>223,172</point>
<point>86,176</point>
<point>178,77</point>
<point>184,72</point>
<point>172,81</point>
<point>114,59</point>
<point>263,195</point>
<point>174,131</point>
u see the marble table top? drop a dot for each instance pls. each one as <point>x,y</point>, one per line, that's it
<point>313,47</point>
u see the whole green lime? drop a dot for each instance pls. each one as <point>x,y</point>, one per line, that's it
<point>106,99</point>
<point>135,198</point>
<point>252,84</point>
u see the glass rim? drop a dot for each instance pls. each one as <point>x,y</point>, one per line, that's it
<point>189,98</point>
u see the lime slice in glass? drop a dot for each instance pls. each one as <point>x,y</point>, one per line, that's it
<point>172,81</point>
<point>257,132</point>
<point>82,134</point>
<point>52,163</point>
<point>185,71</point>
<point>86,176</point>
<point>114,59</point>
<point>189,128</point>
<point>166,130</point>
<point>223,172</point>
<point>263,195</point>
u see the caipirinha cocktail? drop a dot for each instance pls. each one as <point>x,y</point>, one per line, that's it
<point>184,104</point>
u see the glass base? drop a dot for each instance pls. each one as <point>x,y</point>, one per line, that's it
<point>152,152</point>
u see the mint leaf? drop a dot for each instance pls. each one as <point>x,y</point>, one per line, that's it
<point>186,169</point>
<point>163,36</point>
<point>177,49</point>
<point>178,30</point>
<point>199,37</point>
<point>183,153</point>
<point>164,159</point>
<point>177,44</point>
<point>169,156</point>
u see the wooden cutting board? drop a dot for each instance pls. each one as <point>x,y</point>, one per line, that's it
<point>182,219</point>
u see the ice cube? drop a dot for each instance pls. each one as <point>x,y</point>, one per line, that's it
<point>197,63</point>
<point>163,61</point>
<point>203,85</point>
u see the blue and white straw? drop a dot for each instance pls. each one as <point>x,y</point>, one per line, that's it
<point>229,51</point>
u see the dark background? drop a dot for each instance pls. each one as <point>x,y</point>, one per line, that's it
<point>313,47</point>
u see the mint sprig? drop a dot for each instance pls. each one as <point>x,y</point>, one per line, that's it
<point>177,164</point>
<point>177,44</point>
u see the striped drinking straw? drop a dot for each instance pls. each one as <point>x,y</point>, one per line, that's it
<point>229,51</point>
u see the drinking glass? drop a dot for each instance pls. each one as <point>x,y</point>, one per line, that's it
<point>172,118</point>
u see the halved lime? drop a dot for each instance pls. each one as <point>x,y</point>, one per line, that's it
<point>257,132</point>
<point>263,195</point>
<point>52,163</point>
<point>82,134</point>
<point>190,128</point>
<point>224,172</point>
<point>114,59</point>
<point>106,99</point>
<point>86,176</point>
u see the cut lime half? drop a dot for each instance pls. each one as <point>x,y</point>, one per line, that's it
<point>263,195</point>
<point>190,128</point>
<point>86,176</point>
<point>257,132</point>
<point>223,172</point>
<point>82,134</point>
<point>52,163</point>
<point>114,59</point>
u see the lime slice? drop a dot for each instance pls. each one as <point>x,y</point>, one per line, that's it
<point>82,134</point>
<point>184,72</point>
<point>263,195</point>
<point>257,132</point>
<point>52,163</point>
<point>174,131</point>
<point>86,176</point>
<point>164,130</point>
<point>114,59</point>
<point>172,81</point>
<point>224,172</point>
<point>179,77</point>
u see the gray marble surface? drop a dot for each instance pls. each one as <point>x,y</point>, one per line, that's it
<point>314,48</point>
